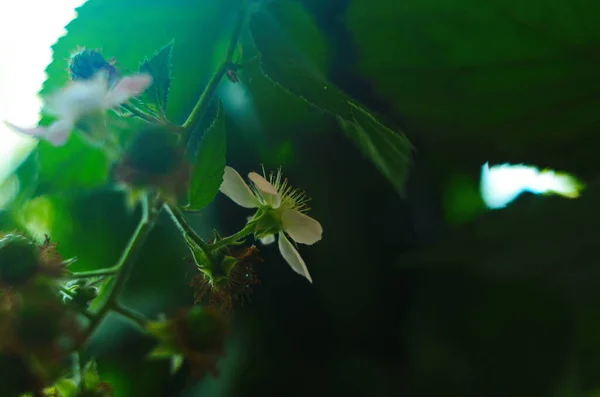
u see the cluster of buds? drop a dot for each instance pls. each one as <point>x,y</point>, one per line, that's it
<point>37,331</point>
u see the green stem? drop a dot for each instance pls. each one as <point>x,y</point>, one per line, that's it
<point>137,112</point>
<point>130,315</point>
<point>150,212</point>
<point>203,102</point>
<point>187,231</point>
<point>234,238</point>
<point>111,271</point>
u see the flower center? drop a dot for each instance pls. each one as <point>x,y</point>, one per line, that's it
<point>291,198</point>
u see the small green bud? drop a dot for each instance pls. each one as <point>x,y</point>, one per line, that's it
<point>19,259</point>
<point>82,293</point>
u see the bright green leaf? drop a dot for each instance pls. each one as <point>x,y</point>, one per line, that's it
<point>159,67</point>
<point>290,67</point>
<point>209,166</point>
<point>90,376</point>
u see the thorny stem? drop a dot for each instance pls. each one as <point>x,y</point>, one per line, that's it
<point>234,238</point>
<point>150,212</point>
<point>203,102</point>
<point>137,112</point>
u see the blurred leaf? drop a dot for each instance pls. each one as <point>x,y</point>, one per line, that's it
<point>275,31</point>
<point>548,238</point>
<point>209,166</point>
<point>506,81</point>
<point>76,165</point>
<point>159,67</point>
<point>90,376</point>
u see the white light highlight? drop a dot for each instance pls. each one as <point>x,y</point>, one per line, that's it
<point>501,184</point>
<point>27,30</point>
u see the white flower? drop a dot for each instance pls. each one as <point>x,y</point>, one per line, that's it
<point>81,98</point>
<point>282,206</point>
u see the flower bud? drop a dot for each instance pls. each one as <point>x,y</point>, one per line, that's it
<point>21,259</point>
<point>196,334</point>
<point>84,64</point>
<point>82,293</point>
<point>234,280</point>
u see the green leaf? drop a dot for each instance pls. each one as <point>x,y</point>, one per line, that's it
<point>301,74</point>
<point>66,387</point>
<point>90,376</point>
<point>129,37</point>
<point>209,166</point>
<point>159,67</point>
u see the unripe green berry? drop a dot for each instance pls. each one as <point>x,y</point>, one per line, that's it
<point>155,150</point>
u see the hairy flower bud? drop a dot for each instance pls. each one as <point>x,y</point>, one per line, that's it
<point>196,334</point>
<point>21,259</point>
<point>232,283</point>
<point>84,64</point>
<point>155,159</point>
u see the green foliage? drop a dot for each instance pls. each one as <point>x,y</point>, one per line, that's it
<point>500,81</point>
<point>209,166</point>
<point>293,69</point>
<point>129,37</point>
<point>159,67</point>
<point>76,165</point>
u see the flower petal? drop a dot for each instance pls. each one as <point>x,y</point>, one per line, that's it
<point>234,187</point>
<point>302,228</point>
<point>57,133</point>
<point>292,257</point>
<point>127,88</point>
<point>78,98</point>
<point>266,190</point>
<point>267,240</point>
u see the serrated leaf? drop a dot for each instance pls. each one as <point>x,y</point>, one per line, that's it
<point>209,165</point>
<point>292,70</point>
<point>159,67</point>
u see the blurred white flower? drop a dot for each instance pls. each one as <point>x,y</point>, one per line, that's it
<point>80,99</point>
